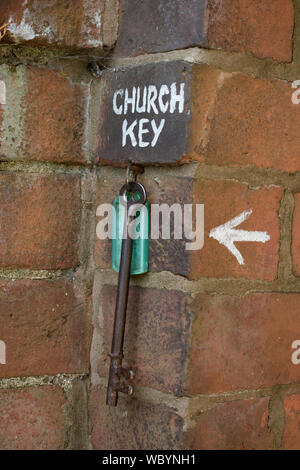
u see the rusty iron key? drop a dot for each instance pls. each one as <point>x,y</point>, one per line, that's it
<point>119,377</point>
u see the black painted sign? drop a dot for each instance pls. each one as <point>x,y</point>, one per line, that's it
<point>145,113</point>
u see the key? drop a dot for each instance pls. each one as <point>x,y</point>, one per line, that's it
<point>119,376</point>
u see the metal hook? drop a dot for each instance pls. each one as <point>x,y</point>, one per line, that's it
<point>128,171</point>
<point>134,170</point>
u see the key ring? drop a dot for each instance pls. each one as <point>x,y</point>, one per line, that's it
<point>133,186</point>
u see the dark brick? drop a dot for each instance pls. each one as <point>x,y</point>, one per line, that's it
<point>156,26</point>
<point>169,255</point>
<point>157,336</point>
<point>133,425</point>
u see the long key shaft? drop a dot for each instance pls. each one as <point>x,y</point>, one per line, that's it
<point>116,371</point>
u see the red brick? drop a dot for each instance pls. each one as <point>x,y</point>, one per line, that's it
<point>205,84</point>
<point>296,236</point>
<point>156,339</point>
<point>243,342</point>
<point>224,200</point>
<point>250,26</point>
<point>253,122</point>
<point>133,425</point>
<point>238,425</point>
<point>264,29</point>
<point>55,118</point>
<point>45,116</point>
<point>45,327</point>
<point>291,435</point>
<point>76,24</point>
<point>40,221</point>
<point>33,419</point>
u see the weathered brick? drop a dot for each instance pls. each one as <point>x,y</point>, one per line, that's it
<point>296,236</point>
<point>40,220</point>
<point>163,25</point>
<point>156,339</point>
<point>133,425</point>
<point>291,433</point>
<point>223,201</point>
<point>243,342</point>
<point>45,327</point>
<point>55,118</point>
<point>45,116</point>
<point>76,24</point>
<point>237,425</point>
<point>253,122</point>
<point>235,25</point>
<point>252,26</point>
<point>138,425</point>
<point>33,419</point>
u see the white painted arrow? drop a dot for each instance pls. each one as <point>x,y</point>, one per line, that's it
<point>226,235</point>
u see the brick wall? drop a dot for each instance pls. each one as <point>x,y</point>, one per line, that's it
<point>211,340</point>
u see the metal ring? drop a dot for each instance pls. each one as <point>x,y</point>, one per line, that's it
<point>132,187</point>
<point>117,355</point>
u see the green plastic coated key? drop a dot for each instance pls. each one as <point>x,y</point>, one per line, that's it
<point>140,250</point>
